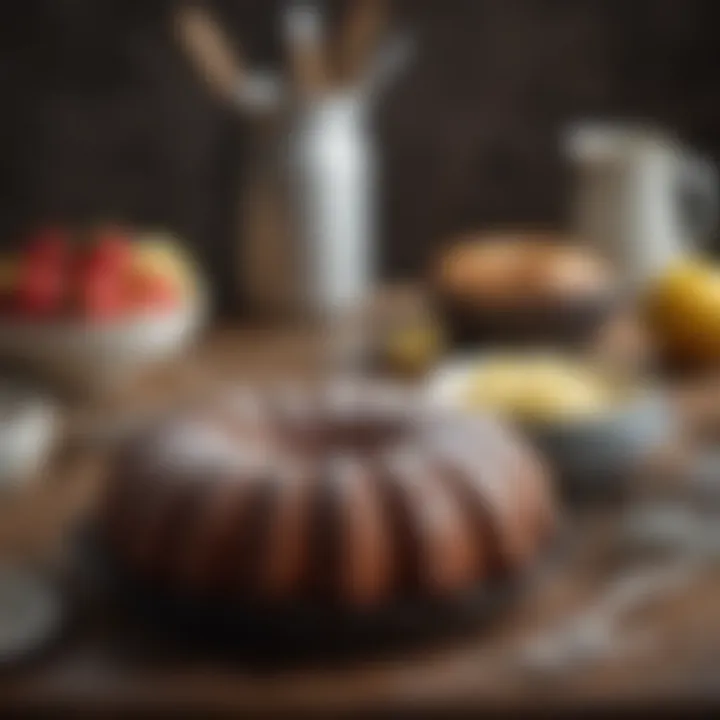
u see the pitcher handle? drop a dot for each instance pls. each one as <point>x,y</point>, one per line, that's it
<point>701,188</point>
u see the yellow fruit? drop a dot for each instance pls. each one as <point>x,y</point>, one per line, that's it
<point>538,388</point>
<point>158,254</point>
<point>414,348</point>
<point>683,310</point>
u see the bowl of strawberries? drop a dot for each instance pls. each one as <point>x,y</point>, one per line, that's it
<point>94,307</point>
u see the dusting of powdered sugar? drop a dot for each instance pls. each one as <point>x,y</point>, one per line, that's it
<point>242,403</point>
<point>201,446</point>
<point>411,471</point>
<point>294,403</point>
<point>343,469</point>
<point>387,402</point>
<point>405,465</point>
<point>342,398</point>
<point>474,444</point>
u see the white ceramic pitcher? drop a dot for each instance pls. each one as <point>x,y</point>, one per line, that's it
<point>641,198</point>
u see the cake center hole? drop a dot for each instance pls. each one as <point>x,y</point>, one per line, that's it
<point>356,436</point>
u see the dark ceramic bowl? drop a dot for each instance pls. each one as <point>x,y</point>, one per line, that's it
<point>565,324</point>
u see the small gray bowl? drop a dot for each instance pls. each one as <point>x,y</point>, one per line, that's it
<point>593,457</point>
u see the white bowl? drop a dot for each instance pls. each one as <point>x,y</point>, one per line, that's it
<point>28,429</point>
<point>94,356</point>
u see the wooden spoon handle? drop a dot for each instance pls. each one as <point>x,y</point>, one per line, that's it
<point>210,51</point>
<point>358,38</point>
<point>306,50</point>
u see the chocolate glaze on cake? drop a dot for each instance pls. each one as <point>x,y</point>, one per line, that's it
<point>355,496</point>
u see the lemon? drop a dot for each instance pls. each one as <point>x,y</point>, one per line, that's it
<point>160,254</point>
<point>538,388</point>
<point>683,311</point>
<point>414,348</point>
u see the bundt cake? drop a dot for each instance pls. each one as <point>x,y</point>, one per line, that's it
<point>521,288</point>
<point>356,496</point>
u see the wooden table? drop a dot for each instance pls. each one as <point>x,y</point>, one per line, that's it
<point>106,661</point>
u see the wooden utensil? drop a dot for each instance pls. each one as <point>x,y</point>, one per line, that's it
<point>210,50</point>
<point>307,60</point>
<point>358,38</point>
<point>260,252</point>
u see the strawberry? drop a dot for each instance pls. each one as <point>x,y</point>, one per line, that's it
<point>40,290</point>
<point>151,291</point>
<point>42,273</point>
<point>112,249</point>
<point>102,275</point>
<point>101,297</point>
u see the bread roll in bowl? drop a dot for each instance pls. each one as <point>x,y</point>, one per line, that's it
<point>521,287</point>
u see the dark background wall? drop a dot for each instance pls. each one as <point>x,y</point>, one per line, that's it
<point>103,117</point>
